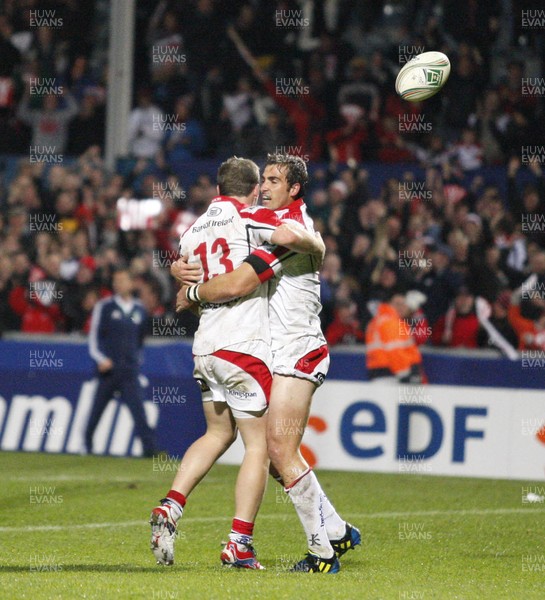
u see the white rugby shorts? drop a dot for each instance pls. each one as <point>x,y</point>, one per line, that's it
<point>239,375</point>
<point>306,358</point>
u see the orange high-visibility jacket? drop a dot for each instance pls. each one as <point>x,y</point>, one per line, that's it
<point>389,343</point>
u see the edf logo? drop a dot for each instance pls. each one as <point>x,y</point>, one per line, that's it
<point>377,424</point>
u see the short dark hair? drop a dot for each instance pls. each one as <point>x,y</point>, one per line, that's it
<point>237,177</point>
<point>295,169</point>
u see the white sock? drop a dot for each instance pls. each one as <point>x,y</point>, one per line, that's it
<point>176,509</point>
<point>239,538</point>
<point>308,499</point>
<point>334,525</point>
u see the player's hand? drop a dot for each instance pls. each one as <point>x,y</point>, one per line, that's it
<point>182,303</point>
<point>105,366</point>
<point>186,273</point>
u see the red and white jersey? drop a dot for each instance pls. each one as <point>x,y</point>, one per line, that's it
<point>219,241</point>
<point>294,298</point>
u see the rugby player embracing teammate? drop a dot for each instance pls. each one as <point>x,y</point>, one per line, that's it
<point>300,356</point>
<point>232,357</point>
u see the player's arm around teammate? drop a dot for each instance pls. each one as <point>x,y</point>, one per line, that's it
<point>259,267</point>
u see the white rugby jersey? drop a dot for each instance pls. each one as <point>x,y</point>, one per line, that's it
<point>294,297</point>
<point>219,241</point>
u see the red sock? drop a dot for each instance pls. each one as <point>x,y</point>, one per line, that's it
<point>242,527</point>
<point>177,497</point>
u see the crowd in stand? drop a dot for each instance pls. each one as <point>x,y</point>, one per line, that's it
<point>312,78</point>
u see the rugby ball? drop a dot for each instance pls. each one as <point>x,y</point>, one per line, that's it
<point>423,76</point>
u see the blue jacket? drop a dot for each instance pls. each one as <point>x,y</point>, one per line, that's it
<point>117,335</point>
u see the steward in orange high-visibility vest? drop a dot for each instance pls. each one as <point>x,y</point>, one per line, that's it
<point>391,350</point>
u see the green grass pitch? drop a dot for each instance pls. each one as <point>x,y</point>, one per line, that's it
<point>76,527</point>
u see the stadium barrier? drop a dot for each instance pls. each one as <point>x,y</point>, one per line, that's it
<point>482,416</point>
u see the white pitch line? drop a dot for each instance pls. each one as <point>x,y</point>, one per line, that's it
<point>378,515</point>
<point>120,479</point>
<point>446,513</point>
<point>35,478</point>
<point>31,528</point>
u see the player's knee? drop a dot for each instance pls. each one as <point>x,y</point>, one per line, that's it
<point>259,456</point>
<point>224,439</point>
<point>277,450</point>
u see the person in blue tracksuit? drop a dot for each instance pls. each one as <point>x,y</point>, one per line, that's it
<point>115,342</point>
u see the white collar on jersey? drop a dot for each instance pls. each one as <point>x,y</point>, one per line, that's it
<point>125,305</point>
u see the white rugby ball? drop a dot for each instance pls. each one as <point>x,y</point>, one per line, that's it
<point>423,76</point>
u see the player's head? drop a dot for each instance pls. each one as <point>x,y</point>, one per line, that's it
<point>284,180</point>
<point>239,178</point>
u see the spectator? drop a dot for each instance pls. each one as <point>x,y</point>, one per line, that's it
<point>416,319</point>
<point>238,106</point>
<point>468,152</point>
<point>8,319</point>
<point>459,327</point>
<point>164,37</point>
<point>386,279</point>
<point>149,291</point>
<point>461,93</point>
<point>330,280</point>
<point>501,334</point>
<point>204,28</point>
<point>184,139</point>
<point>345,143</point>
<point>359,89</point>
<point>440,284</point>
<point>39,304</point>
<point>345,328</point>
<point>50,123</point>
<point>487,121</point>
<point>11,58</point>
<point>392,146</point>
<point>86,129</point>
<point>533,296</point>
<point>530,329</point>
<point>81,82</point>
<point>146,127</point>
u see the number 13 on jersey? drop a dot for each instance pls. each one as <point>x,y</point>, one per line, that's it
<point>211,258</point>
